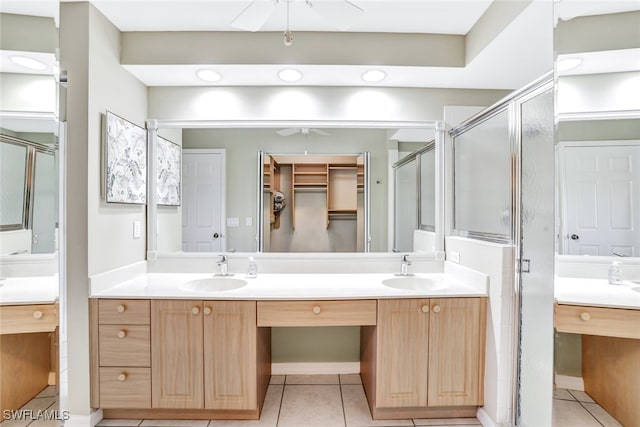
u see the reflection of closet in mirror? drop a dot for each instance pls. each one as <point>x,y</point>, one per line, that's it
<point>313,203</point>
<point>28,177</point>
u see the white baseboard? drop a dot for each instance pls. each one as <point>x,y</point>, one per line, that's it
<point>571,383</point>
<point>485,419</point>
<point>315,368</point>
<point>84,420</point>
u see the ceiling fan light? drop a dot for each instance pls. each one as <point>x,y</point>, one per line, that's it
<point>289,75</point>
<point>30,63</point>
<point>374,76</point>
<point>208,75</point>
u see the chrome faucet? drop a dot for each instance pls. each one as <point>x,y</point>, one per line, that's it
<point>404,267</point>
<point>224,266</point>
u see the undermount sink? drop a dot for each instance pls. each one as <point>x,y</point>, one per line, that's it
<point>213,284</point>
<point>412,283</point>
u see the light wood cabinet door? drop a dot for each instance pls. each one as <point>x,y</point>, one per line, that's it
<point>177,354</point>
<point>402,352</point>
<point>230,355</point>
<point>456,351</point>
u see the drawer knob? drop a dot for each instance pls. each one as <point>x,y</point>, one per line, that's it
<point>122,377</point>
<point>585,316</point>
<point>195,311</point>
<point>436,309</point>
<point>425,308</point>
<point>121,308</point>
<point>122,334</point>
<point>38,314</point>
<point>316,310</point>
<point>207,310</point>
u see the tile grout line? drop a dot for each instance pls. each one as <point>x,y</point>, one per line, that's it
<point>344,413</point>
<point>284,386</point>
<point>589,412</point>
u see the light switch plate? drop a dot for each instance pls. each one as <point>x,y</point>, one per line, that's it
<point>454,257</point>
<point>137,230</point>
<point>233,222</point>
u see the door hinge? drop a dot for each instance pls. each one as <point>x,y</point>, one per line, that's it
<point>525,265</point>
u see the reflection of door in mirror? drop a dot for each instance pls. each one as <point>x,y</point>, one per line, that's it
<point>313,203</point>
<point>598,198</point>
<point>203,200</point>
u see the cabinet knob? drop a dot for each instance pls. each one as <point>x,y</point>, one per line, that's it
<point>121,308</point>
<point>425,308</point>
<point>195,311</point>
<point>207,310</point>
<point>38,314</point>
<point>585,316</point>
<point>122,333</point>
<point>316,310</point>
<point>436,309</point>
<point>122,377</point>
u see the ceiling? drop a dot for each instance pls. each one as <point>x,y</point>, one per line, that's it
<point>517,54</point>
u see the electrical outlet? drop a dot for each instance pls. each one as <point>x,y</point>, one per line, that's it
<point>454,257</point>
<point>137,230</point>
<point>233,222</point>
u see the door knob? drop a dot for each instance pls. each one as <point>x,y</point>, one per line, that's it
<point>575,237</point>
<point>216,235</point>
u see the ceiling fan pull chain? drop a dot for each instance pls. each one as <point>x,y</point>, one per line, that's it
<point>288,37</point>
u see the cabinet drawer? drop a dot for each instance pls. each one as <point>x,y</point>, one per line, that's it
<point>316,313</point>
<point>20,319</point>
<point>611,322</point>
<point>123,312</point>
<point>125,388</point>
<point>124,345</point>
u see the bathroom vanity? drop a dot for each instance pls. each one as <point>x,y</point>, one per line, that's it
<point>165,347</point>
<point>28,338</point>
<point>607,317</point>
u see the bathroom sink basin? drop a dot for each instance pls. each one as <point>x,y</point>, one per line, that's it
<point>213,284</point>
<point>414,283</point>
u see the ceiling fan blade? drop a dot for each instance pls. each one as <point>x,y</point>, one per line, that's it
<point>341,14</point>
<point>253,17</point>
<point>320,132</point>
<point>287,131</point>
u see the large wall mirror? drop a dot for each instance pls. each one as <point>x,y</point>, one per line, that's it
<point>301,188</point>
<point>597,46</point>
<point>29,205</point>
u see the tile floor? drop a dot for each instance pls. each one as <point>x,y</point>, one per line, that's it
<point>331,401</point>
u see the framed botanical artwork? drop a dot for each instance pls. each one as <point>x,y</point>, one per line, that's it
<point>125,161</point>
<point>169,172</point>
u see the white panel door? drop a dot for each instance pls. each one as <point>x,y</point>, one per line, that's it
<point>203,201</point>
<point>602,200</point>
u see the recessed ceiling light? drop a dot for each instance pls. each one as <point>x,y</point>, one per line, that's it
<point>208,75</point>
<point>290,75</point>
<point>27,62</point>
<point>566,64</point>
<point>373,76</point>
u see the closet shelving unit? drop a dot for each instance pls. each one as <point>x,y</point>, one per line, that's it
<point>342,197</point>
<point>271,172</point>
<point>307,177</point>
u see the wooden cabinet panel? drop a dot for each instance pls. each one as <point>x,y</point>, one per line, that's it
<point>119,312</point>
<point>125,388</point>
<point>612,322</point>
<point>177,354</point>
<point>22,319</point>
<point>456,351</point>
<point>124,345</point>
<point>317,313</point>
<point>402,352</point>
<point>230,355</point>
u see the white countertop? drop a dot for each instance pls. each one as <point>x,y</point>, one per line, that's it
<point>597,293</point>
<point>292,287</point>
<point>29,290</point>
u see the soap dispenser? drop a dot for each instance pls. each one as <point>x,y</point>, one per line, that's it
<point>615,273</point>
<point>252,268</point>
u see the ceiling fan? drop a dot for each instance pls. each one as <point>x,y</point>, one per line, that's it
<point>303,131</point>
<point>340,13</point>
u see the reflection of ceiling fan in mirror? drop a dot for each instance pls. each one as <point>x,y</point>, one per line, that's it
<point>341,14</point>
<point>303,131</point>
